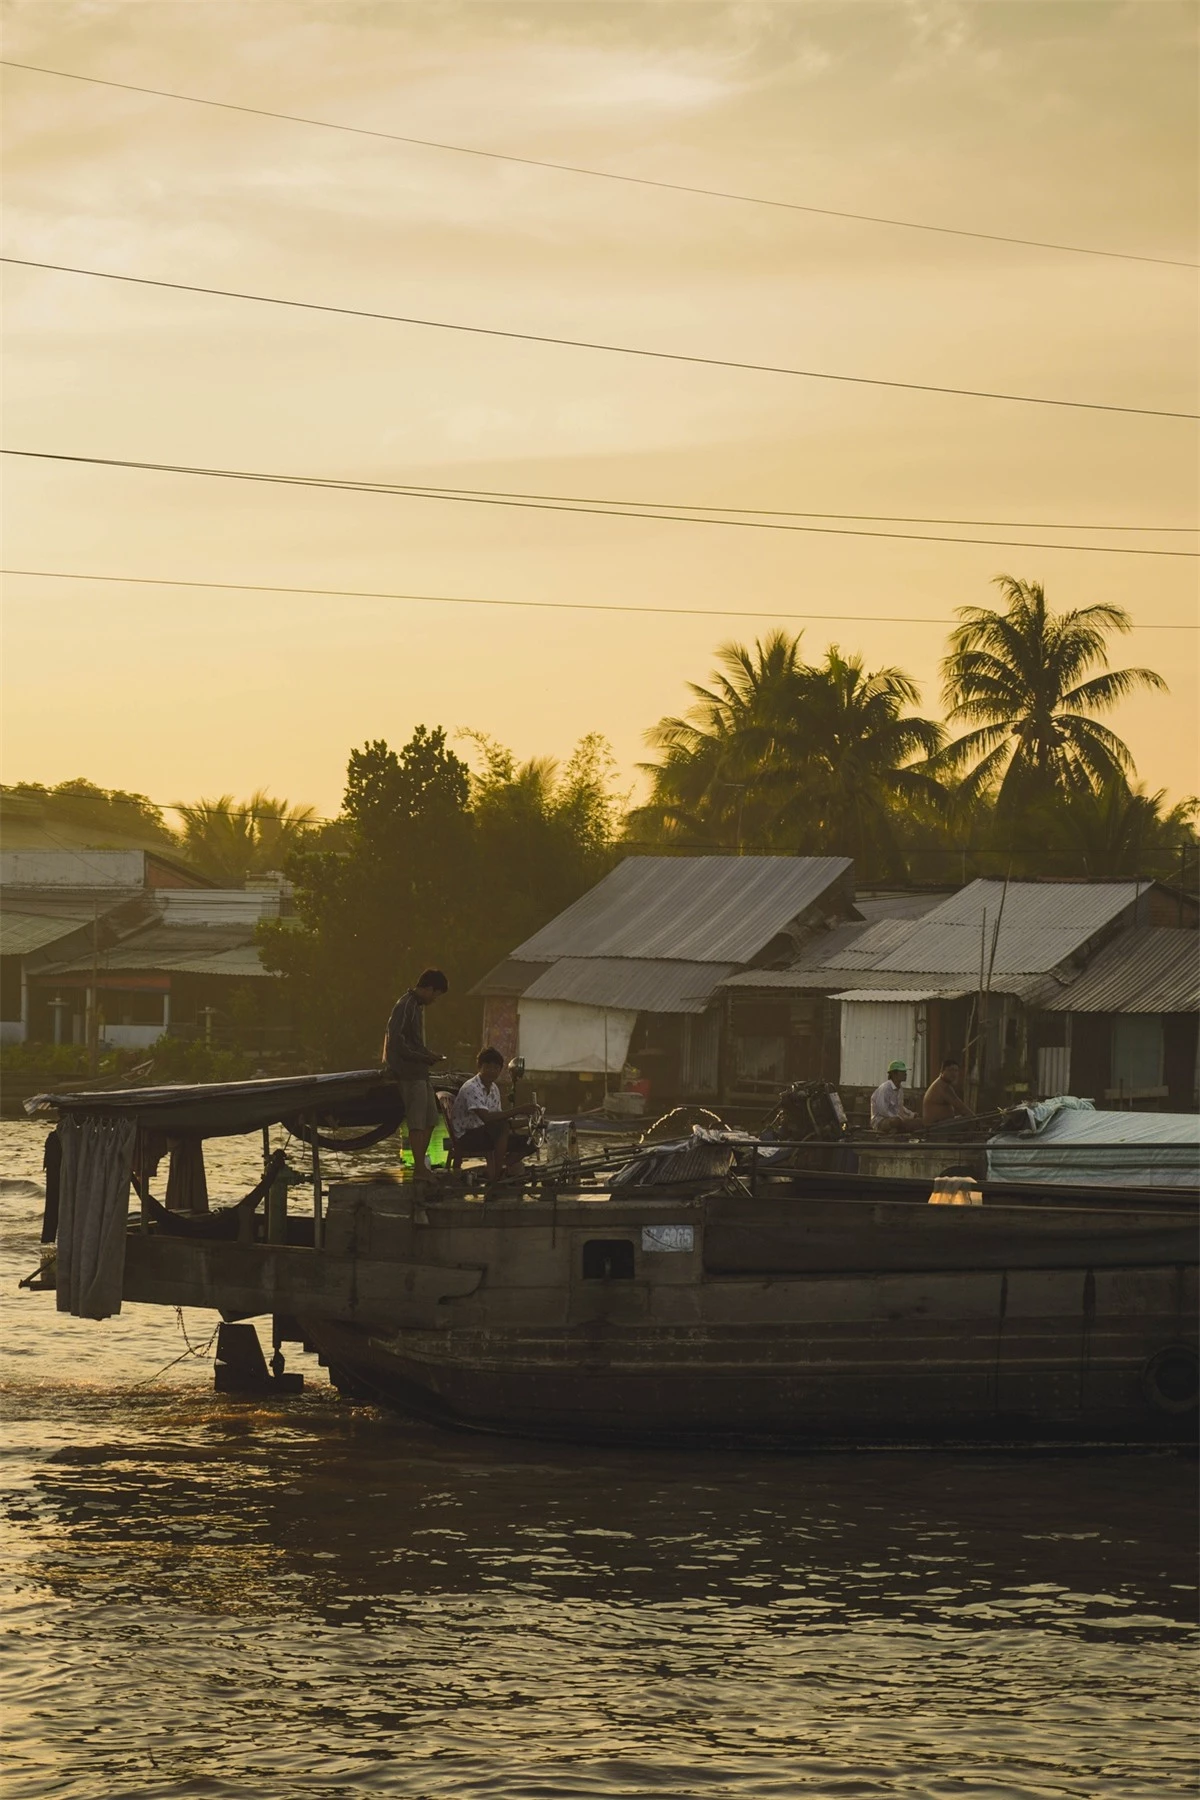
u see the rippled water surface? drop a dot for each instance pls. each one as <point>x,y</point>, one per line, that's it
<point>214,1597</point>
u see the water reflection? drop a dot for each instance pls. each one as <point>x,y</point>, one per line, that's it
<point>314,1492</point>
<point>216,1597</point>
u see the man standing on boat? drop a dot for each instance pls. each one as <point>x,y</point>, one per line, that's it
<point>409,1061</point>
<point>889,1115</point>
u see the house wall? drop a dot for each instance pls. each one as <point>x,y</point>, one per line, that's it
<point>71,868</point>
<point>1158,907</point>
<point>130,1037</point>
<point>10,992</point>
<point>1111,1052</point>
<point>655,1052</point>
<point>1181,1060</point>
<point>773,1038</point>
<point>500,1024</point>
<point>877,1032</point>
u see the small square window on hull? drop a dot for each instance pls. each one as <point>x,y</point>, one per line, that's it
<point>608,1259</point>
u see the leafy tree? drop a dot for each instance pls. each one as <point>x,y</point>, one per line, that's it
<point>438,866</point>
<point>1112,830</point>
<point>372,915</point>
<point>1020,678</point>
<point>230,840</point>
<point>79,814</point>
<point>546,831</point>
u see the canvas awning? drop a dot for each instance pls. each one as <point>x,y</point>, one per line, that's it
<point>562,1037</point>
<point>226,1109</point>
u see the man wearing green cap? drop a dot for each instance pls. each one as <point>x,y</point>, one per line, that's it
<point>889,1115</point>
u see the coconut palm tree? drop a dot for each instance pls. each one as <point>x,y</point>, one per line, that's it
<point>1020,678</point>
<point>858,763</point>
<point>229,840</point>
<point>789,757</point>
<point>1121,830</point>
<point>710,784</point>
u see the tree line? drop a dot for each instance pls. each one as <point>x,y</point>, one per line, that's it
<point>438,856</point>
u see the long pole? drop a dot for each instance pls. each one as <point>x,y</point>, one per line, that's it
<point>318,1218</point>
<point>93,1015</point>
<point>981,1013</point>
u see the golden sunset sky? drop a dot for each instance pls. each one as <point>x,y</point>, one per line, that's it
<point>1072,123</point>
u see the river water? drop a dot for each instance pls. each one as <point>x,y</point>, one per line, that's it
<point>209,1596</point>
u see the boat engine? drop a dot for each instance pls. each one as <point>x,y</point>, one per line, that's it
<point>808,1111</point>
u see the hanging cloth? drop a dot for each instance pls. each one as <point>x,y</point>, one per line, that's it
<point>97,1158</point>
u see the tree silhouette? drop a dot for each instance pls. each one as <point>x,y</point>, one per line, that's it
<point>230,840</point>
<point>1020,678</point>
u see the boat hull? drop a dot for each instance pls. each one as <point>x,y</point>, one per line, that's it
<point>1043,1362</point>
<point>722,1320</point>
<point>797,1322</point>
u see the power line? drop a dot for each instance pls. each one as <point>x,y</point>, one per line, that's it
<point>332,484</point>
<point>671,612</point>
<point>538,162</point>
<point>428,490</point>
<point>565,343</point>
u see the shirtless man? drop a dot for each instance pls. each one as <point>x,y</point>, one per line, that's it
<point>943,1098</point>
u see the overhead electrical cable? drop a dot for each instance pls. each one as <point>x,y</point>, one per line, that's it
<point>540,162</point>
<point>565,343</point>
<point>594,606</point>
<point>428,490</point>
<point>331,484</point>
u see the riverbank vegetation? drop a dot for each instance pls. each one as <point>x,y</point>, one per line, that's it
<point>454,843</point>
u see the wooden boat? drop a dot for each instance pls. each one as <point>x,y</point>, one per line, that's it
<point>738,1308</point>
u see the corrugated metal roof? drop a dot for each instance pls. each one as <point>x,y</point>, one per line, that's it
<point>900,905</point>
<point>183,949</point>
<point>1152,969</point>
<point>692,908</point>
<point>1042,923</point>
<point>873,944</point>
<point>898,996</point>
<point>240,965</point>
<point>637,984</point>
<point>21,933</point>
<point>70,903</point>
<point>510,977</point>
<point>885,984</point>
<point>219,906</point>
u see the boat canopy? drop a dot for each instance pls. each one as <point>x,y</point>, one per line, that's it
<point>228,1108</point>
<point>1068,1140</point>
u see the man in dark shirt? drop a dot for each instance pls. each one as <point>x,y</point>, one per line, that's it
<point>409,1061</point>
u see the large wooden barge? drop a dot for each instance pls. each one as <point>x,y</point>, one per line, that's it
<point>750,1306</point>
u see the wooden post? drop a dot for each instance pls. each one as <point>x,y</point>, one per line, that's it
<point>277,1197</point>
<point>93,1005</point>
<point>318,1219</point>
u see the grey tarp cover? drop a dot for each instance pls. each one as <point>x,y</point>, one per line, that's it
<point>97,1156</point>
<point>1066,1141</point>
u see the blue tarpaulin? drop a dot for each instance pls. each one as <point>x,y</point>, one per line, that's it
<point>1066,1140</point>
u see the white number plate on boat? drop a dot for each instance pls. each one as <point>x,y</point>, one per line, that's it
<point>668,1237</point>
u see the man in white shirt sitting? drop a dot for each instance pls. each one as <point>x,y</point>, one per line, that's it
<point>482,1124</point>
<point>889,1115</point>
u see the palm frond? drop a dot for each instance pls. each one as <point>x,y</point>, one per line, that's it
<point>1104,691</point>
